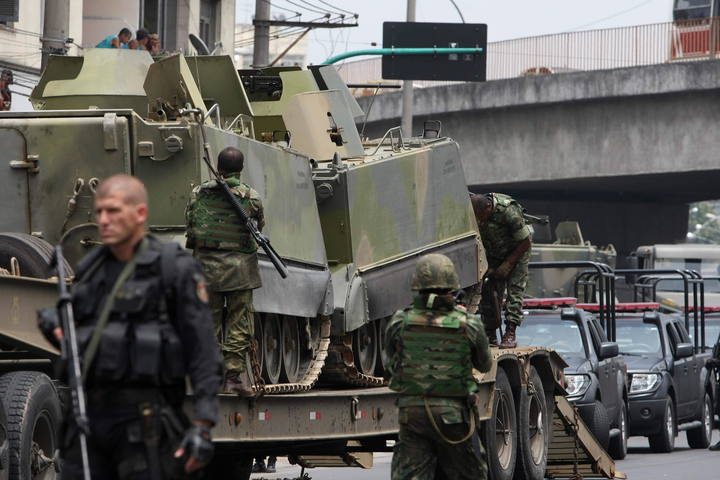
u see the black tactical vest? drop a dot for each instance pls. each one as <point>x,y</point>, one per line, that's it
<point>139,345</point>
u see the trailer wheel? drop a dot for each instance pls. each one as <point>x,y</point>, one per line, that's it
<point>701,437</point>
<point>500,431</point>
<point>4,446</point>
<point>230,467</point>
<point>33,254</point>
<point>664,441</point>
<point>33,420</point>
<point>618,444</point>
<point>533,438</point>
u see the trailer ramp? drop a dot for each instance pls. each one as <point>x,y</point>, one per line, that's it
<point>574,452</point>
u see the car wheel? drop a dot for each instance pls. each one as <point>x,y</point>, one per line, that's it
<point>500,431</point>
<point>533,434</point>
<point>701,437</point>
<point>599,424</point>
<point>618,444</point>
<point>664,441</point>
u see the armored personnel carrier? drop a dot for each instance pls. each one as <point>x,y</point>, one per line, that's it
<point>568,246</point>
<point>348,217</point>
<point>382,203</point>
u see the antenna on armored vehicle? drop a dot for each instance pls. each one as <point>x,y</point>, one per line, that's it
<point>201,46</point>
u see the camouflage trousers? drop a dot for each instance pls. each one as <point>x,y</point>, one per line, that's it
<point>236,333</point>
<point>512,289</point>
<point>421,454</point>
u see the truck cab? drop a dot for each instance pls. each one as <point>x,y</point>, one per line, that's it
<point>702,258</point>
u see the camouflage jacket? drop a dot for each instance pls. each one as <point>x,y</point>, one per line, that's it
<point>221,243</point>
<point>505,228</point>
<point>432,353</point>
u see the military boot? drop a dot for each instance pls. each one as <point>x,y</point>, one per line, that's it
<point>238,383</point>
<point>492,336</point>
<point>715,447</point>
<point>508,339</point>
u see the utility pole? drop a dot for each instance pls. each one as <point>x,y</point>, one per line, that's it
<point>407,98</point>
<point>56,26</point>
<point>261,49</point>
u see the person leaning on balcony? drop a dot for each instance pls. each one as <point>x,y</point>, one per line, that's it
<point>116,41</point>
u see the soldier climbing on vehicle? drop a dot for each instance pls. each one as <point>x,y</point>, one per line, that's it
<point>507,240</point>
<point>143,324</point>
<point>228,253</point>
<point>433,347</point>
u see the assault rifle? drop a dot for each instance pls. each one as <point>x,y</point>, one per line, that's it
<point>262,240</point>
<point>71,357</point>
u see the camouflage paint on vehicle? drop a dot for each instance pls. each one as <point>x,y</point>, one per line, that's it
<point>569,246</point>
<point>164,150</point>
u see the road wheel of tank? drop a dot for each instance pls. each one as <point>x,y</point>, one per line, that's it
<point>33,254</point>
<point>309,342</point>
<point>33,419</point>
<point>701,437</point>
<point>500,431</point>
<point>599,424</point>
<point>290,349</point>
<point>619,443</point>
<point>533,423</point>
<point>259,340</point>
<point>272,347</point>
<point>664,441</point>
<point>365,343</point>
<point>382,360</point>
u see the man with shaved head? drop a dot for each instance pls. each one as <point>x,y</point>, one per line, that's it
<point>143,325</point>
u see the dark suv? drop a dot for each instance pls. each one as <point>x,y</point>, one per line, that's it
<point>596,374</point>
<point>671,388</point>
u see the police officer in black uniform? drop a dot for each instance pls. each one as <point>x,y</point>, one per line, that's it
<point>143,325</point>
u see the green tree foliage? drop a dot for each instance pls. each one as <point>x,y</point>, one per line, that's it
<point>704,222</point>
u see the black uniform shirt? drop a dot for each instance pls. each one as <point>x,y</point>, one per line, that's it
<point>187,308</point>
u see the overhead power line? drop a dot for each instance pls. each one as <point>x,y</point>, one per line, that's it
<point>338,8</point>
<point>282,8</point>
<point>322,12</point>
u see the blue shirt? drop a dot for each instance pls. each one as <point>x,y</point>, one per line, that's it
<point>107,43</point>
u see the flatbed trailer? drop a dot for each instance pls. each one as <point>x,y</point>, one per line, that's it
<point>525,421</point>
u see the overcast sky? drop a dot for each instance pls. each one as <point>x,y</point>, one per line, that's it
<point>506,19</point>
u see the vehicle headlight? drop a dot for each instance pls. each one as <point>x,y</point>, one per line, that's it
<point>577,384</point>
<point>644,382</point>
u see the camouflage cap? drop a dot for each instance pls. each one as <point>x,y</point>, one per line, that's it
<point>435,271</point>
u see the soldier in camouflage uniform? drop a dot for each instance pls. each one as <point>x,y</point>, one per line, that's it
<point>228,254</point>
<point>507,240</point>
<point>433,347</point>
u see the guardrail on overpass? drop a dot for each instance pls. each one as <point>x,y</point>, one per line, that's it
<point>601,49</point>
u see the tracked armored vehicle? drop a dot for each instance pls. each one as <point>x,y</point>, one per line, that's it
<point>568,246</point>
<point>349,217</point>
<point>382,203</point>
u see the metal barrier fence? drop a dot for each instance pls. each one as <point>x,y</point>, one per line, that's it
<point>688,40</point>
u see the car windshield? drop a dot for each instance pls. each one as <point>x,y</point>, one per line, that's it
<point>636,337</point>
<point>561,335</point>
<point>712,330</point>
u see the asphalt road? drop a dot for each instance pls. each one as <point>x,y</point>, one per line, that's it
<point>684,464</point>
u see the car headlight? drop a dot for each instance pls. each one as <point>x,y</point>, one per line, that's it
<point>577,384</point>
<point>644,382</point>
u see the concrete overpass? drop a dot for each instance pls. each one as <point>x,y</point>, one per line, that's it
<point>623,151</point>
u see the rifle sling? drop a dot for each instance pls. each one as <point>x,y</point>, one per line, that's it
<point>107,306</point>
